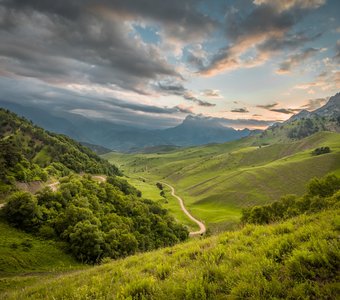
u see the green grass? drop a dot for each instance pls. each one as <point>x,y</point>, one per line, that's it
<point>296,259</point>
<point>24,259</point>
<point>150,191</point>
<point>21,252</point>
<point>217,181</point>
<point>42,158</point>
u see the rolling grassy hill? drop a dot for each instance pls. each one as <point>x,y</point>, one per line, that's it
<point>217,181</point>
<point>295,259</point>
<point>294,255</point>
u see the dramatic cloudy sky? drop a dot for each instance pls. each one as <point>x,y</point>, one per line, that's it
<point>152,62</point>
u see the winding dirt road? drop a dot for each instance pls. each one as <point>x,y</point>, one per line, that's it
<point>199,223</point>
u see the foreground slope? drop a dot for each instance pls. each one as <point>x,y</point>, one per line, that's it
<point>217,181</point>
<point>295,259</point>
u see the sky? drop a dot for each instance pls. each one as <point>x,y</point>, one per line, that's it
<point>150,63</point>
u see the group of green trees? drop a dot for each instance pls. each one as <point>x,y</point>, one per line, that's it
<point>321,150</point>
<point>96,220</point>
<point>29,153</point>
<point>321,194</point>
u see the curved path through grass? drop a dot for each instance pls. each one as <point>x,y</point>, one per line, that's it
<point>199,223</point>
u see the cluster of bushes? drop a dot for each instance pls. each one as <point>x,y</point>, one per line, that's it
<point>321,194</point>
<point>96,220</point>
<point>321,150</point>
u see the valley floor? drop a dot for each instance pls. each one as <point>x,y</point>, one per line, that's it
<point>217,181</point>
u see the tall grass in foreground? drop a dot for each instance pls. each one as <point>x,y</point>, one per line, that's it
<point>296,259</point>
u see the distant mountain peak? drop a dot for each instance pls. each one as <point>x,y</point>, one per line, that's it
<point>331,108</point>
<point>300,115</point>
<point>201,121</point>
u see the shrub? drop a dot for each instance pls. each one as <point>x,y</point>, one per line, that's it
<point>22,211</point>
<point>321,150</point>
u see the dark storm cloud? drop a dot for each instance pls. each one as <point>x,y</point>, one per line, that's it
<point>296,59</point>
<point>89,50</point>
<point>240,110</point>
<point>92,105</point>
<point>175,88</point>
<point>266,28</point>
<point>90,42</point>
<point>267,106</point>
<point>290,41</point>
<point>273,107</point>
<point>195,61</point>
<point>313,104</point>
<point>337,52</point>
<point>181,17</point>
<point>287,111</point>
<point>191,97</point>
<point>262,19</point>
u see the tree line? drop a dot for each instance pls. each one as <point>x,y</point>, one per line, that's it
<point>322,193</point>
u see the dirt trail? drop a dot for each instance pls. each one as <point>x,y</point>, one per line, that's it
<point>100,178</point>
<point>199,223</point>
<point>53,186</point>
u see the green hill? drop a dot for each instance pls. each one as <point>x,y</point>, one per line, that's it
<point>217,181</point>
<point>25,253</point>
<point>298,258</point>
<point>96,217</point>
<point>24,258</point>
<point>29,153</point>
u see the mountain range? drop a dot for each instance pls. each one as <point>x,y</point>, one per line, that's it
<point>194,130</point>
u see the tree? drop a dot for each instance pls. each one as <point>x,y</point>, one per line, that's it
<point>324,187</point>
<point>22,211</point>
<point>87,242</point>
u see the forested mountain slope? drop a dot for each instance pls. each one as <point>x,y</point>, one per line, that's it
<point>29,153</point>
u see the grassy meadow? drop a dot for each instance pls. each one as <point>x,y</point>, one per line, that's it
<point>25,259</point>
<point>295,259</point>
<point>217,181</point>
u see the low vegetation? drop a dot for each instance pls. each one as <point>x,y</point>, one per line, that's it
<point>298,258</point>
<point>322,194</point>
